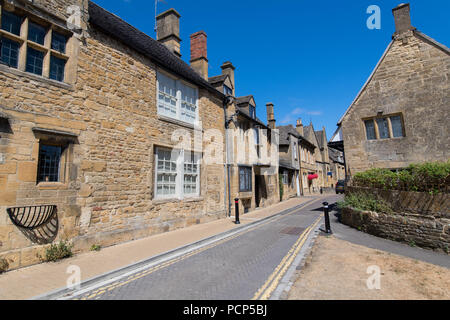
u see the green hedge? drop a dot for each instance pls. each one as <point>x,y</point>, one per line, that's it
<point>365,202</point>
<point>433,177</point>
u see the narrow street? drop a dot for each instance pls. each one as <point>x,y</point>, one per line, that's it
<point>248,265</point>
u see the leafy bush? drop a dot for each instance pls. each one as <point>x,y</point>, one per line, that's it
<point>433,177</point>
<point>58,251</point>
<point>365,202</point>
<point>281,188</point>
<point>4,265</point>
<point>96,247</point>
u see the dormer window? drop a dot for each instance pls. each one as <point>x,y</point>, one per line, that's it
<point>252,111</point>
<point>227,91</point>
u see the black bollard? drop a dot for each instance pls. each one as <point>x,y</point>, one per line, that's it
<point>327,218</point>
<point>236,203</point>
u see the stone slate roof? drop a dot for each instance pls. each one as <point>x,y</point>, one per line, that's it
<point>334,155</point>
<point>285,131</point>
<point>144,44</point>
<point>319,137</point>
<point>243,100</point>
<point>286,164</point>
<point>217,79</point>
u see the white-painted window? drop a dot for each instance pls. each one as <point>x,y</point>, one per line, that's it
<point>176,99</point>
<point>191,182</point>
<point>177,174</point>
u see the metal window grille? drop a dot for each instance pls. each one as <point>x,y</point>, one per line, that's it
<point>57,67</point>
<point>49,163</point>
<point>35,60</point>
<point>9,52</point>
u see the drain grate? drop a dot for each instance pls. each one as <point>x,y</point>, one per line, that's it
<point>293,231</point>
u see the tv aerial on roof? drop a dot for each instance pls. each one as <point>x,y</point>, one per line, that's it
<point>156,12</point>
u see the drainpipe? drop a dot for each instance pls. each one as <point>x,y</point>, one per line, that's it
<point>227,166</point>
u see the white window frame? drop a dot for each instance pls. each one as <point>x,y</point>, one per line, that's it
<point>179,83</point>
<point>180,173</point>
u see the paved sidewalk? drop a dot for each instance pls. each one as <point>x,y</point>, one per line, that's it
<point>40,279</point>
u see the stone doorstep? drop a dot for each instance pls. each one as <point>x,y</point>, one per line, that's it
<point>160,258</point>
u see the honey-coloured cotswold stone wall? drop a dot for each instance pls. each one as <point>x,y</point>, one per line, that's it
<point>412,79</point>
<point>419,218</point>
<point>108,195</point>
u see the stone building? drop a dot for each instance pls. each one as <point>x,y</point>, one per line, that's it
<point>401,114</point>
<point>94,119</point>
<point>253,176</point>
<point>289,155</point>
<point>308,167</point>
<point>337,166</point>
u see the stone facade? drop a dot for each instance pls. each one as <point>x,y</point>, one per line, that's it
<point>412,82</point>
<point>109,121</point>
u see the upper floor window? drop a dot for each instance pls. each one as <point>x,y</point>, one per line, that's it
<point>59,42</point>
<point>252,111</point>
<point>177,100</point>
<point>227,91</point>
<point>384,127</point>
<point>295,151</point>
<point>10,52</point>
<point>11,22</point>
<point>36,33</point>
<point>43,48</point>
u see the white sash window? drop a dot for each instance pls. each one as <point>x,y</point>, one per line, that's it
<point>176,99</point>
<point>177,174</point>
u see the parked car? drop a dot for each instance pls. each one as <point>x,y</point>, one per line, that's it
<point>340,187</point>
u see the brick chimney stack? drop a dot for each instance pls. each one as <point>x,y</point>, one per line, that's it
<point>228,69</point>
<point>168,30</point>
<point>270,116</point>
<point>199,53</point>
<point>402,19</point>
<point>299,127</point>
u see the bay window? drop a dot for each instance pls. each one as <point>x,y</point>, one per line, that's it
<point>177,174</point>
<point>176,99</point>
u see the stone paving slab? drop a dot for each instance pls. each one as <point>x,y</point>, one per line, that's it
<point>37,280</point>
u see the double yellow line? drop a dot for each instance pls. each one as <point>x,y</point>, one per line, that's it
<point>117,284</point>
<point>272,282</point>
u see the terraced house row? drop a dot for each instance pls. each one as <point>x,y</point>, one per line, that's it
<point>107,135</point>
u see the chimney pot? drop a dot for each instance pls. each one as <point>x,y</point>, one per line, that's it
<point>402,18</point>
<point>168,30</point>
<point>299,127</point>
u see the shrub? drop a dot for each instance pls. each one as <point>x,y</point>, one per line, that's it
<point>433,177</point>
<point>281,188</point>
<point>96,247</point>
<point>365,202</point>
<point>4,265</point>
<point>58,251</point>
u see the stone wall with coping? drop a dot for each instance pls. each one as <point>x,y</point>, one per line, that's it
<point>418,218</point>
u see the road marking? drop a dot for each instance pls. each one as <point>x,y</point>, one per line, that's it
<point>91,294</point>
<point>272,282</point>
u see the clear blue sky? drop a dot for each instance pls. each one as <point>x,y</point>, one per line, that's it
<point>310,58</point>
